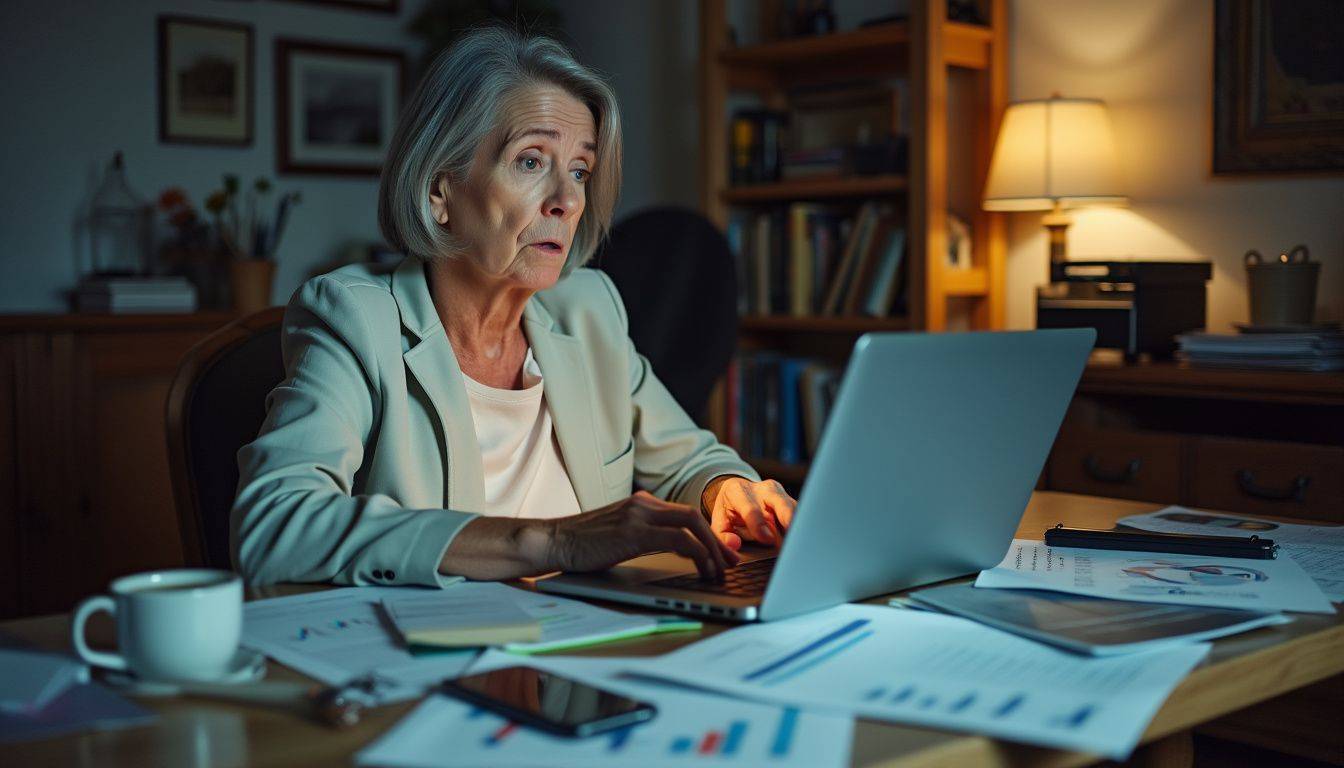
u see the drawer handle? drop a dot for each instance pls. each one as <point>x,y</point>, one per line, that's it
<point>1249,487</point>
<point>1122,477</point>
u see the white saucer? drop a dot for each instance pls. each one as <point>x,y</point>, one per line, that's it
<point>245,667</point>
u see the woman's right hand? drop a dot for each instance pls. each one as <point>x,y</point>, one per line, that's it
<point>638,525</point>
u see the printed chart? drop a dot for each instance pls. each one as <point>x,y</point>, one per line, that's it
<point>1213,582</point>
<point>942,671</point>
<point>699,729</point>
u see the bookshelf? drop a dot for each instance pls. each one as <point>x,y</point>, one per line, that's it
<point>955,84</point>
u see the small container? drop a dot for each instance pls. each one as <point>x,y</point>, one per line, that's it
<point>1283,292</point>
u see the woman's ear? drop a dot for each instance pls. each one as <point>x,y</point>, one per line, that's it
<point>439,194</point>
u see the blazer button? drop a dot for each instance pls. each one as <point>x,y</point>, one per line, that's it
<point>391,575</point>
<point>377,574</point>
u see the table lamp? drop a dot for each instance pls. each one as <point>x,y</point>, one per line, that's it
<point>1053,154</point>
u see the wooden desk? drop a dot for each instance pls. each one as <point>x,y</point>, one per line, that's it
<point>1241,671</point>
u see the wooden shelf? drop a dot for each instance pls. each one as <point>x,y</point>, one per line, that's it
<point>964,45</point>
<point>773,469</point>
<point>965,282</point>
<point>805,189</point>
<point>821,324</point>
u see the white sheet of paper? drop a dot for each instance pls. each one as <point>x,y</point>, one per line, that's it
<point>1265,586</point>
<point>1319,549</point>
<point>691,728</point>
<point>342,635</point>
<point>941,671</point>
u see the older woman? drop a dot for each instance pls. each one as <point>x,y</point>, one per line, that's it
<point>456,416</point>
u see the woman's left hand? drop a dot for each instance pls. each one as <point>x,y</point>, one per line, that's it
<point>760,511</point>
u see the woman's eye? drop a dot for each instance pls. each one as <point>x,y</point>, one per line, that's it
<point>581,176</point>
<point>530,163</point>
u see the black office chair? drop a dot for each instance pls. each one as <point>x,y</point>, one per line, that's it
<point>675,272</point>
<point>215,406</point>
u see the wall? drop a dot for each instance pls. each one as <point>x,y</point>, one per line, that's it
<point>80,82</point>
<point>1152,62</point>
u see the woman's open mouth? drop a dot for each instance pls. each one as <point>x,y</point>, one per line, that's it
<point>549,246</point>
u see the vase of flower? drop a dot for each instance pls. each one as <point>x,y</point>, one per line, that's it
<point>250,281</point>
<point>250,241</point>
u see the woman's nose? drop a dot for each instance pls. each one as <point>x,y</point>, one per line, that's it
<point>563,199</point>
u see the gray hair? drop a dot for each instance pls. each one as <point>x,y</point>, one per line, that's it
<point>456,106</point>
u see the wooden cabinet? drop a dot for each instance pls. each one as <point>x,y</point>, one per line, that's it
<point>84,489</point>
<point>1263,443</point>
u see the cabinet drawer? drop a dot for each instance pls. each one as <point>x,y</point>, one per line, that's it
<point>1268,478</point>
<point>1123,465</point>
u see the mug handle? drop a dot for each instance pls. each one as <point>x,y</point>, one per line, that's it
<point>97,658</point>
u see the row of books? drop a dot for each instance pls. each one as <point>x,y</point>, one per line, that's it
<point>778,405</point>
<point>807,259</point>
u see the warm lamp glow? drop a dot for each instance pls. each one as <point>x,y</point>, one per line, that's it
<point>1054,151</point>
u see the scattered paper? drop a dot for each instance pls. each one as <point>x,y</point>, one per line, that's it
<point>29,680</point>
<point>1319,549</point>
<point>935,670</point>
<point>1092,625</point>
<point>691,728</point>
<point>1264,586</point>
<point>342,637</point>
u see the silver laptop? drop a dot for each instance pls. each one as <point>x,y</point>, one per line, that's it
<point>922,473</point>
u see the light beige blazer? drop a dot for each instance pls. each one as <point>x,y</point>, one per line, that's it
<point>367,463</point>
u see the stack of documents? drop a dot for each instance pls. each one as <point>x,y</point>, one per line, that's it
<point>1090,625</point>
<point>1322,351</point>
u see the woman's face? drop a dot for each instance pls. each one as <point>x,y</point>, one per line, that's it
<point>519,207</point>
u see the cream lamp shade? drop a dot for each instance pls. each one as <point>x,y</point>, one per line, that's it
<point>1053,154</point>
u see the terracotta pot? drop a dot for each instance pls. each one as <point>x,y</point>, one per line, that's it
<point>251,281</point>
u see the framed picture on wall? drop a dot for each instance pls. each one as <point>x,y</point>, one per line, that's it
<point>336,106</point>
<point>1278,98</point>
<point>381,6</point>
<point>205,81</point>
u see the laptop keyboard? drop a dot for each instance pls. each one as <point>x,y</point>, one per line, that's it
<point>746,580</point>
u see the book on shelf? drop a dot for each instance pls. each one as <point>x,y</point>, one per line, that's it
<point>808,259</point>
<point>756,137</point>
<point>779,405</point>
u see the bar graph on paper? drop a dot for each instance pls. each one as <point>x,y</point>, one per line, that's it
<point>927,669</point>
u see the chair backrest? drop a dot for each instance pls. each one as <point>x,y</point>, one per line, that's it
<point>216,405</point>
<point>676,275</point>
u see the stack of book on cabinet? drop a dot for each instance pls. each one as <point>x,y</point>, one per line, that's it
<point>129,295</point>
<point>809,259</point>
<point>1314,351</point>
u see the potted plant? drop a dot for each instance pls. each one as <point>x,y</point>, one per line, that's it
<point>249,240</point>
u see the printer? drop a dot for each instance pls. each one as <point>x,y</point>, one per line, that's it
<point>1135,306</point>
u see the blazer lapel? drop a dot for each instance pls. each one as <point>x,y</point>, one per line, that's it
<point>432,363</point>
<point>568,399</point>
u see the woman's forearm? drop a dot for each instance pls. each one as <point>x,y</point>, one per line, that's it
<point>495,548</point>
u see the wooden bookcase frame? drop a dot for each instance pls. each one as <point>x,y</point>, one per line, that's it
<point>925,48</point>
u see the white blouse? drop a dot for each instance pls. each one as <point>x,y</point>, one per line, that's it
<point>524,472</point>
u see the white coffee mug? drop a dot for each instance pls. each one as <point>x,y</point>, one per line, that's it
<point>171,625</point>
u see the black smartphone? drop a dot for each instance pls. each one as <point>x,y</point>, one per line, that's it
<point>548,701</point>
